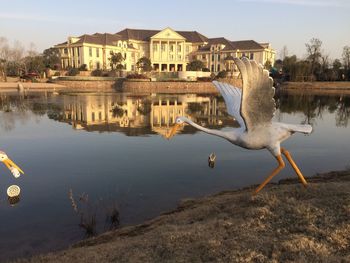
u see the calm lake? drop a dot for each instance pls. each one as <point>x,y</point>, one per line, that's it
<point>108,150</point>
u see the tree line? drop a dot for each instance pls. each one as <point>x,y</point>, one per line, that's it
<point>316,66</point>
<point>15,60</point>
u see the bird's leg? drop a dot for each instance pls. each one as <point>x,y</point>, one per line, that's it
<point>295,167</point>
<point>281,165</point>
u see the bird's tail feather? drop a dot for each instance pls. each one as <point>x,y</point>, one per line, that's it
<point>303,128</point>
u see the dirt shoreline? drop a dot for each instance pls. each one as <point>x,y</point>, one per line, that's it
<point>284,223</point>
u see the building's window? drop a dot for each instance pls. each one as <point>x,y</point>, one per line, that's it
<point>218,67</point>
<point>218,57</point>
<point>171,48</point>
<point>212,68</point>
<point>97,52</point>
<point>243,55</point>
<point>204,56</point>
<point>132,67</point>
<point>124,56</point>
<point>90,51</point>
<point>155,47</point>
<point>65,50</point>
<point>125,45</point>
<point>171,57</point>
<point>178,48</point>
<point>251,55</point>
<point>98,65</point>
<point>73,51</point>
<point>100,116</point>
<point>179,57</point>
<point>163,47</point>
<point>212,57</point>
<point>119,44</point>
<point>93,116</point>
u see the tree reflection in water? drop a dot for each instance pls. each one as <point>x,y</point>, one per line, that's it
<point>314,106</point>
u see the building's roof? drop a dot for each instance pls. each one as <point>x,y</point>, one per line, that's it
<point>193,36</point>
<point>64,43</point>
<point>146,34</point>
<point>99,39</point>
<point>216,41</point>
<point>137,34</point>
<point>246,45</point>
<point>231,45</point>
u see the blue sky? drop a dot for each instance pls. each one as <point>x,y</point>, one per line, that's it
<point>280,22</point>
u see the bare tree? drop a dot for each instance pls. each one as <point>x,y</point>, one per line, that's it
<point>17,51</point>
<point>346,57</point>
<point>32,50</point>
<point>4,56</point>
<point>324,66</point>
<point>283,52</point>
<point>313,49</point>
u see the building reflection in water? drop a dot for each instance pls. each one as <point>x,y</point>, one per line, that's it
<point>153,114</point>
<point>150,114</point>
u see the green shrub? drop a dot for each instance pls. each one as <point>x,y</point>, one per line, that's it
<point>222,74</point>
<point>96,73</point>
<point>112,73</point>
<point>83,67</point>
<point>136,76</point>
<point>73,72</point>
<point>204,79</point>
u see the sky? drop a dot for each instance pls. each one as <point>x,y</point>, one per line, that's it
<point>290,23</point>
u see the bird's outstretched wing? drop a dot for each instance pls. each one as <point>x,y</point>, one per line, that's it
<point>258,105</point>
<point>233,98</point>
<point>253,105</point>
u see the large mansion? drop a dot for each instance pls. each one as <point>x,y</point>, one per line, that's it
<point>167,49</point>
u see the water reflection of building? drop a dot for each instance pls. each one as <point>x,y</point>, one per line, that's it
<point>156,114</point>
<point>90,110</point>
<point>200,109</point>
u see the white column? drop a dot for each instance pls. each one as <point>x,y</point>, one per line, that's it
<point>175,50</point>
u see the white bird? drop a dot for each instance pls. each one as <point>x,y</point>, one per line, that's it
<point>14,169</point>
<point>253,107</point>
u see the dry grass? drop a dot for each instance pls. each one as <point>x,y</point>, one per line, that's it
<point>285,223</point>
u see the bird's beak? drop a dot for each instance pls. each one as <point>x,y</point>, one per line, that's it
<point>173,131</point>
<point>10,164</point>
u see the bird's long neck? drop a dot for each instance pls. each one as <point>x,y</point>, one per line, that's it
<point>209,131</point>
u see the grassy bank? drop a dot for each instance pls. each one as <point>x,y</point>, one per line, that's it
<point>285,223</point>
